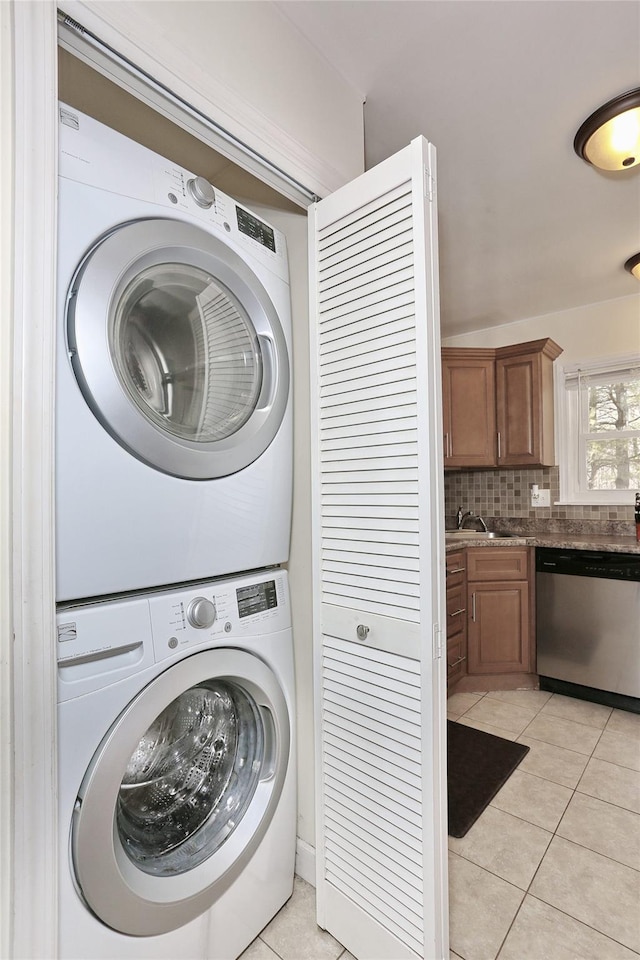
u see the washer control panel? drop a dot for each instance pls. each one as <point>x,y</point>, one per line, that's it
<point>218,611</point>
<point>100,643</point>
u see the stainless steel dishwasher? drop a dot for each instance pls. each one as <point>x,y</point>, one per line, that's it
<point>588,620</point>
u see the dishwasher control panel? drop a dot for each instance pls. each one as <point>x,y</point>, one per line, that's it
<point>588,563</point>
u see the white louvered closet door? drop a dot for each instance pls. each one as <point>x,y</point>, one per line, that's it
<point>378,554</point>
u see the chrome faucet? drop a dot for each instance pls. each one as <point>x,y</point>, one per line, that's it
<point>461,519</point>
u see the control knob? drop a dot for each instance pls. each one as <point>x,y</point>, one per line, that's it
<point>201,191</point>
<point>201,613</point>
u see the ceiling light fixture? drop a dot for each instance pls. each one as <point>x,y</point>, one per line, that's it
<point>610,137</point>
<point>633,265</point>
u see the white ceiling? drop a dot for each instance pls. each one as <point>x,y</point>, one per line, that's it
<point>500,87</point>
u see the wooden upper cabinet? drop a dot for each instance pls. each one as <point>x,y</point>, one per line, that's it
<point>524,403</point>
<point>498,405</point>
<point>468,402</point>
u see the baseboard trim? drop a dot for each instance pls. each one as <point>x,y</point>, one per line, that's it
<point>306,861</point>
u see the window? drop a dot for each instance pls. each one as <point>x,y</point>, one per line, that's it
<point>599,431</point>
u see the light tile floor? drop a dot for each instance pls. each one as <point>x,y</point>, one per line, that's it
<point>551,869</point>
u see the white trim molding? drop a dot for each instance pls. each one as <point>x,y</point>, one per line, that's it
<point>34,875</point>
<point>306,861</point>
<point>6,380</point>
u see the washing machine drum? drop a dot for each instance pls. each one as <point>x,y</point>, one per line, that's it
<point>180,792</point>
<point>178,348</point>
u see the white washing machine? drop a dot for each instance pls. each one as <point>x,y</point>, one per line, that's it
<point>176,769</point>
<point>173,411</point>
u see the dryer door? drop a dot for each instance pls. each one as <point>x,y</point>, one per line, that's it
<point>180,792</point>
<point>178,348</point>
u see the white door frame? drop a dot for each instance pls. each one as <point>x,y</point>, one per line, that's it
<point>29,874</point>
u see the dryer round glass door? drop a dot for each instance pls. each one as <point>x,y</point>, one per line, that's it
<point>178,348</point>
<point>180,792</point>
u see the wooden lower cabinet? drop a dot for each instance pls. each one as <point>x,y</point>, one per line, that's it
<point>456,618</point>
<point>498,628</point>
<point>496,639</point>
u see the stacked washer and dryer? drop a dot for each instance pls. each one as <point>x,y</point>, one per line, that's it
<point>173,498</point>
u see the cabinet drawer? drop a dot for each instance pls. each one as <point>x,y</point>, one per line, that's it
<point>456,609</point>
<point>456,568</point>
<point>497,563</point>
<point>456,660</point>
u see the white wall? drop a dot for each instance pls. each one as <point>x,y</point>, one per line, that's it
<point>248,68</point>
<point>604,329</point>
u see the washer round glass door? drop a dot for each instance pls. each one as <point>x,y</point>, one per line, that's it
<point>178,348</point>
<point>180,792</point>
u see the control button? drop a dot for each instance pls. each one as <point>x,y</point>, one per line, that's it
<point>201,613</point>
<point>202,192</point>
<point>172,197</point>
<point>173,643</point>
<point>227,627</point>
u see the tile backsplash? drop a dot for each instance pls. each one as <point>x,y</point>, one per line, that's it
<point>506,494</point>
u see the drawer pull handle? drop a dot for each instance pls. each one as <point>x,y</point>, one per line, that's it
<point>456,570</point>
<point>456,613</point>
<point>473,607</point>
<point>455,662</point>
<point>362,632</point>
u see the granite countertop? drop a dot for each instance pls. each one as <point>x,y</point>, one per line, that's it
<point>565,541</point>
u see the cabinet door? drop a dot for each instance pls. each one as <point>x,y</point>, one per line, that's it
<point>518,394</point>
<point>468,401</point>
<point>498,628</point>
<point>524,403</point>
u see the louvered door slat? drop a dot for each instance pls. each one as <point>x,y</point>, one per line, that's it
<point>365,704</point>
<point>345,238</point>
<point>380,569</point>
<point>358,416</point>
<point>380,858</point>
<point>400,833</point>
<point>374,346</point>
<point>366,343</point>
<point>364,260</point>
<point>332,333</point>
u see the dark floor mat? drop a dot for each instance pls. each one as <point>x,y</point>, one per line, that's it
<point>478,764</point>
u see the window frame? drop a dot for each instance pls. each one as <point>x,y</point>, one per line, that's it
<point>571,439</point>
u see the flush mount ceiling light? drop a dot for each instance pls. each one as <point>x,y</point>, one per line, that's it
<point>633,265</point>
<point>610,137</point>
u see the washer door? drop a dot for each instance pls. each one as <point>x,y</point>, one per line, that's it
<point>180,792</point>
<point>178,349</point>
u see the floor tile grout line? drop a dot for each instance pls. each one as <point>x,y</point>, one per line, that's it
<point>613,803</point>
<point>554,833</point>
<point>604,856</point>
<point>575,920</point>
<point>523,890</point>
<point>270,947</point>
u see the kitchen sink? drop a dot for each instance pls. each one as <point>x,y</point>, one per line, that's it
<point>478,535</point>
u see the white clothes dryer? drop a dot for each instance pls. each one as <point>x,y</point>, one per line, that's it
<point>173,410</point>
<point>177,778</point>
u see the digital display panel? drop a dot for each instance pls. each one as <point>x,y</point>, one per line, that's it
<point>256,229</point>
<point>256,598</point>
